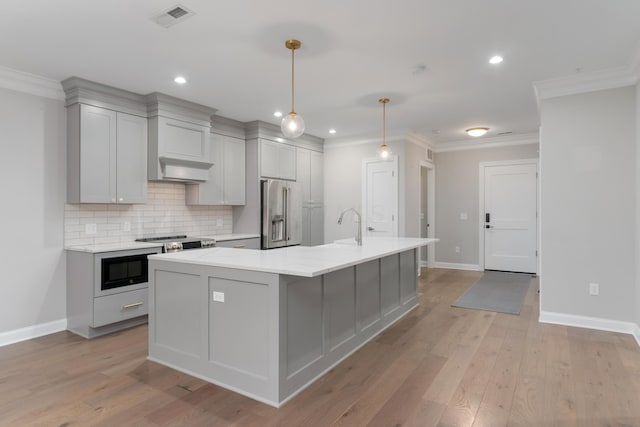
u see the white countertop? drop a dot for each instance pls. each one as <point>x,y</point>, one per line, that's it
<point>125,246</point>
<point>235,236</point>
<point>113,247</point>
<point>307,261</point>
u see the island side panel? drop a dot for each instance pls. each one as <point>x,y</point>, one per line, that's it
<point>352,313</point>
<point>235,340</point>
<point>408,278</point>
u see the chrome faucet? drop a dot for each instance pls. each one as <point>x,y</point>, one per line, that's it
<point>357,221</point>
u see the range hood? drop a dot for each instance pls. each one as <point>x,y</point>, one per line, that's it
<point>179,139</point>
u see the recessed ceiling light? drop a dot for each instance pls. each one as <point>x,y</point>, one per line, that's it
<point>476,131</point>
<point>180,80</point>
<point>496,59</point>
<point>332,131</point>
<point>278,114</point>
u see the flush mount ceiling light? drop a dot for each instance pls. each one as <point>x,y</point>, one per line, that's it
<point>180,80</point>
<point>292,124</point>
<point>332,131</point>
<point>496,59</point>
<point>477,131</point>
<point>384,151</point>
<point>277,114</point>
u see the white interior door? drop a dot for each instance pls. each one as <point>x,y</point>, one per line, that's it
<point>380,197</point>
<point>510,230</point>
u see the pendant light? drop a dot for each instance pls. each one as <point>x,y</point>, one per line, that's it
<point>384,151</point>
<point>292,124</point>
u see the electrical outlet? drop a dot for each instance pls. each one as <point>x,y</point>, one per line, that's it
<point>457,249</point>
<point>594,289</point>
<point>463,216</point>
<point>219,222</point>
<point>218,296</point>
<point>127,226</point>
<point>91,228</point>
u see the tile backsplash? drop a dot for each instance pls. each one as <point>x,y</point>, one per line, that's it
<point>165,213</point>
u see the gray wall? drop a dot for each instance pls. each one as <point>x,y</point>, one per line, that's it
<point>588,203</point>
<point>457,182</point>
<point>637,257</point>
<point>33,188</point>
<point>343,184</point>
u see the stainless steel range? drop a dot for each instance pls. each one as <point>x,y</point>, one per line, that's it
<point>180,243</point>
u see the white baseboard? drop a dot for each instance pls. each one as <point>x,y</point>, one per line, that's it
<point>591,323</point>
<point>424,264</point>
<point>35,331</point>
<point>456,266</point>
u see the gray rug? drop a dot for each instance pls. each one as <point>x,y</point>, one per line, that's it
<point>496,291</point>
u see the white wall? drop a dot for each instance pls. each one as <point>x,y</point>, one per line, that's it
<point>588,194</point>
<point>343,184</point>
<point>637,214</point>
<point>33,188</point>
<point>457,191</point>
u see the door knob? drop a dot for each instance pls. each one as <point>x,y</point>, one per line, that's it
<point>370,228</point>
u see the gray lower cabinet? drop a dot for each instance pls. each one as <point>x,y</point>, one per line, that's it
<point>93,311</point>
<point>312,225</point>
<point>107,156</point>
<point>268,335</point>
<point>226,182</point>
<point>253,243</point>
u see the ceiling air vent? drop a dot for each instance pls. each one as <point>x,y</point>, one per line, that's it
<point>172,16</point>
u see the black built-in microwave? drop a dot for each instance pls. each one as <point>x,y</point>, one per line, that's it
<point>124,271</point>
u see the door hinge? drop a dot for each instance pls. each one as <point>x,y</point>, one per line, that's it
<point>393,217</point>
<point>393,173</point>
<point>536,253</point>
<point>536,174</point>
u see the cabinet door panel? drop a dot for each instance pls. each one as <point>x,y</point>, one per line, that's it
<point>131,159</point>
<point>316,177</point>
<point>303,160</point>
<point>233,167</point>
<point>269,159</point>
<point>306,214</point>
<point>97,155</point>
<point>287,159</point>
<point>184,140</point>
<point>316,226</point>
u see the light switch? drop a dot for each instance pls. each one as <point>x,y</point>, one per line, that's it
<point>463,216</point>
<point>91,228</point>
<point>127,226</point>
<point>218,296</point>
<point>218,222</point>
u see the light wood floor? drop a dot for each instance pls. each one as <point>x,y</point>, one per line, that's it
<point>439,366</point>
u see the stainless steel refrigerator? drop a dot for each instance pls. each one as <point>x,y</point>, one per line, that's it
<point>281,213</point>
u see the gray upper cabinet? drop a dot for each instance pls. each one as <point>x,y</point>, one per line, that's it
<point>310,175</point>
<point>107,152</point>
<point>277,160</point>
<point>226,181</point>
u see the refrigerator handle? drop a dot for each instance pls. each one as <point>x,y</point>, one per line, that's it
<point>285,201</point>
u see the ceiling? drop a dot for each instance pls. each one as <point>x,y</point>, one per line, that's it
<point>430,57</point>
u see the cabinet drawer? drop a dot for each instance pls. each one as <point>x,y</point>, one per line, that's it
<point>118,307</point>
<point>253,243</point>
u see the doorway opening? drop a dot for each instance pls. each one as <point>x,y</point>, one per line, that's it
<point>427,212</point>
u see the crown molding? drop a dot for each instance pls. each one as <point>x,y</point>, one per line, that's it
<point>611,78</point>
<point>30,83</point>
<point>490,142</point>
<point>361,140</point>
<point>420,140</point>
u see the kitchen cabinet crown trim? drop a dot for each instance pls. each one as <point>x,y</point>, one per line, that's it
<point>264,130</point>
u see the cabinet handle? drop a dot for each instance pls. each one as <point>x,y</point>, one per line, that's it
<point>242,245</point>
<point>135,304</point>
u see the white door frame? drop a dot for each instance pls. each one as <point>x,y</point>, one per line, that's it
<point>365,162</point>
<point>431,209</point>
<point>482,166</point>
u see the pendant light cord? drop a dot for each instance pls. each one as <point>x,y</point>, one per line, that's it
<point>384,123</point>
<point>292,77</point>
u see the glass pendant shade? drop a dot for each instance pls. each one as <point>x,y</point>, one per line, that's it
<point>384,151</point>
<point>292,125</point>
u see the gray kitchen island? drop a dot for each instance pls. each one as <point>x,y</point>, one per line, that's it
<point>266,324</point>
